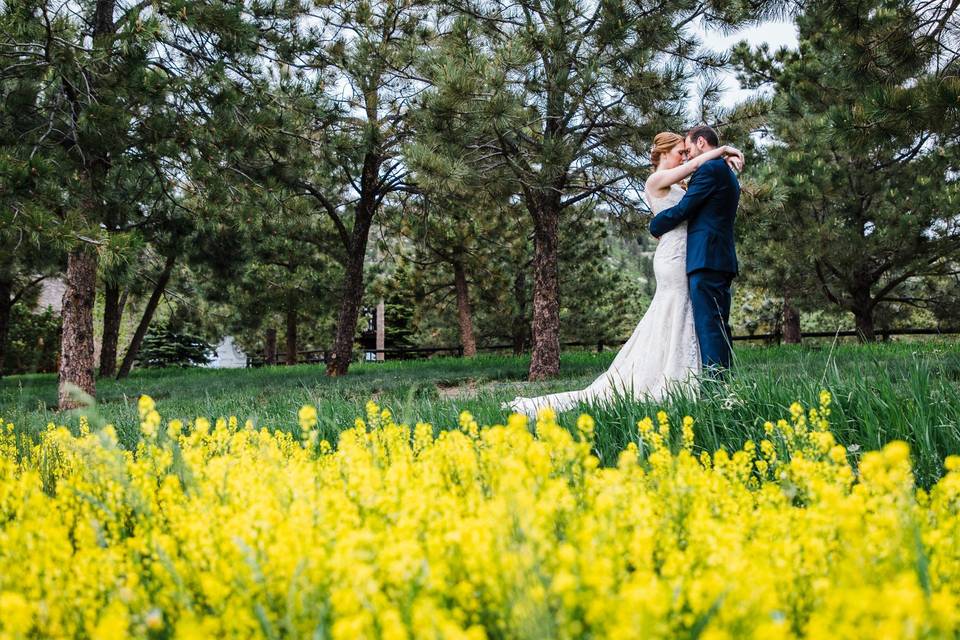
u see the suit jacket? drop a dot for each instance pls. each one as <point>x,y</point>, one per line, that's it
<point>710,208</point>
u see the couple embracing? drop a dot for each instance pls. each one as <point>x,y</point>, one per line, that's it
<point>685,332</point>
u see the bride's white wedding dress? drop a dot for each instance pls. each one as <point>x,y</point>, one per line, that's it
<point>663,352</point>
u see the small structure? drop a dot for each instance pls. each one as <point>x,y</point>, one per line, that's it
<point>228,355</point>
<point>51,294</point>
<point>373,339</point>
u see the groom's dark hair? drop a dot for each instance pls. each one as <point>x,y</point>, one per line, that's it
<point>705,132</point>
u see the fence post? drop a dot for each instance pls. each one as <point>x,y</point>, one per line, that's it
<point>599,346</point>
<point>381,330</point>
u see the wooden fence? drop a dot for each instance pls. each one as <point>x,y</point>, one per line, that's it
<point>319,356</point>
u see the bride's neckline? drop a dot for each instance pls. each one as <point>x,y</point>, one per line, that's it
<point>669,191</point>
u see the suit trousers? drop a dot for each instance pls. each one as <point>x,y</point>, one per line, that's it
<point>710,296</point>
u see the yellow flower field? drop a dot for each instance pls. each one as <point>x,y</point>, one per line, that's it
<point>509,531</point>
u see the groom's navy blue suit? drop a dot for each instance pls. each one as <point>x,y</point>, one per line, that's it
<point>709,207</point>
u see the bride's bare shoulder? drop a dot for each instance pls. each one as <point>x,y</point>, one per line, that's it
<point>654,184</point>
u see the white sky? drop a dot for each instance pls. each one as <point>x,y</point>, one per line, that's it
<point>775,34</point>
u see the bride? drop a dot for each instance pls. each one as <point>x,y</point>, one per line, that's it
<point>663,352</point>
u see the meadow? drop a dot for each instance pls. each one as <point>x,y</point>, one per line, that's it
<point>400,502</point>
<point>907,391</point>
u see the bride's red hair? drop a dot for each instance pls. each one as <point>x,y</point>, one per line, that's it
<point>663,142</point>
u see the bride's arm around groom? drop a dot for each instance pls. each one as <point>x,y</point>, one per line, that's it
<point>698,190</point>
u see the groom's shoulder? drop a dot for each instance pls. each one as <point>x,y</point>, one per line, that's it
<point>715,165</point>
<point>720,170</point>
<point>711,168</point>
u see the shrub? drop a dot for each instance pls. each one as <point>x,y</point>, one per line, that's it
<point>164,346</point>
<point>34,341</point>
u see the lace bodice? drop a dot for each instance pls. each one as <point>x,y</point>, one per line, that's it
<point>658,203</point>
<point>673,244</point>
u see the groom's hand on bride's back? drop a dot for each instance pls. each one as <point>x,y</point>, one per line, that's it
<point>698,190</point>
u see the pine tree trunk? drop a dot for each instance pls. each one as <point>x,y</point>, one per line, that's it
<point>112,315</point>
<point>464,313</point>
<point>520,325</point>
<point>791,323</point>
<point>352,289</point>
<point>864,321</point>
<point>76,367</point>
<point>141,332</point>
<point>291,332</point>
<point>545,361</point>
<point>347,318</point>
<point>76,343</point>
<point>6,306</point>
<point>270,348</point>
<point>862,309</point>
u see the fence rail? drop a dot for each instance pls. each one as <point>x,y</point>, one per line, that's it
<point>319,356</point>
<point>883,333</point>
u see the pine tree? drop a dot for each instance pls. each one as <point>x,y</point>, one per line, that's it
<point>859,195</point>
<point>23,268</point>
<point>28,253</point>
<point>169,345</point>
<point>565,97</point>
<point>32,240</point>
<point>331,128</point>
<point>278,277</point>
<point>599,302</point>
<point>124,89</point>
<point>454,235</point>
<point>370,51</point>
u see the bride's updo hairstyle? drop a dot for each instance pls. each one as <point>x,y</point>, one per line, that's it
<point>662,143</point>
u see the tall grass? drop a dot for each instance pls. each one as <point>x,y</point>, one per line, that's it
<point>906,390</point>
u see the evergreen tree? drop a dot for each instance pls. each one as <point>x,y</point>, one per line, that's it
<point>399,290</point>
<point>33,341</point>
<point>169,345</point>
<point>370,51</point>
<point>279,278</point>
<point>23,268</point>
<point>454,237</point>
<point>330,127</point>
<point>123,86</point>
<point>859,195</point>
<point>565,96</point>
<point>600,303</point>
<point>31,240</point>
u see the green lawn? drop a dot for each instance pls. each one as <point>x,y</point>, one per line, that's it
<point>901,390</point>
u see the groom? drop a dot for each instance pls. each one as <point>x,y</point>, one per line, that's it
<point>709,206</point>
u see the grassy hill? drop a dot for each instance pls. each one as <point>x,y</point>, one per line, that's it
<point>901,390</point>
